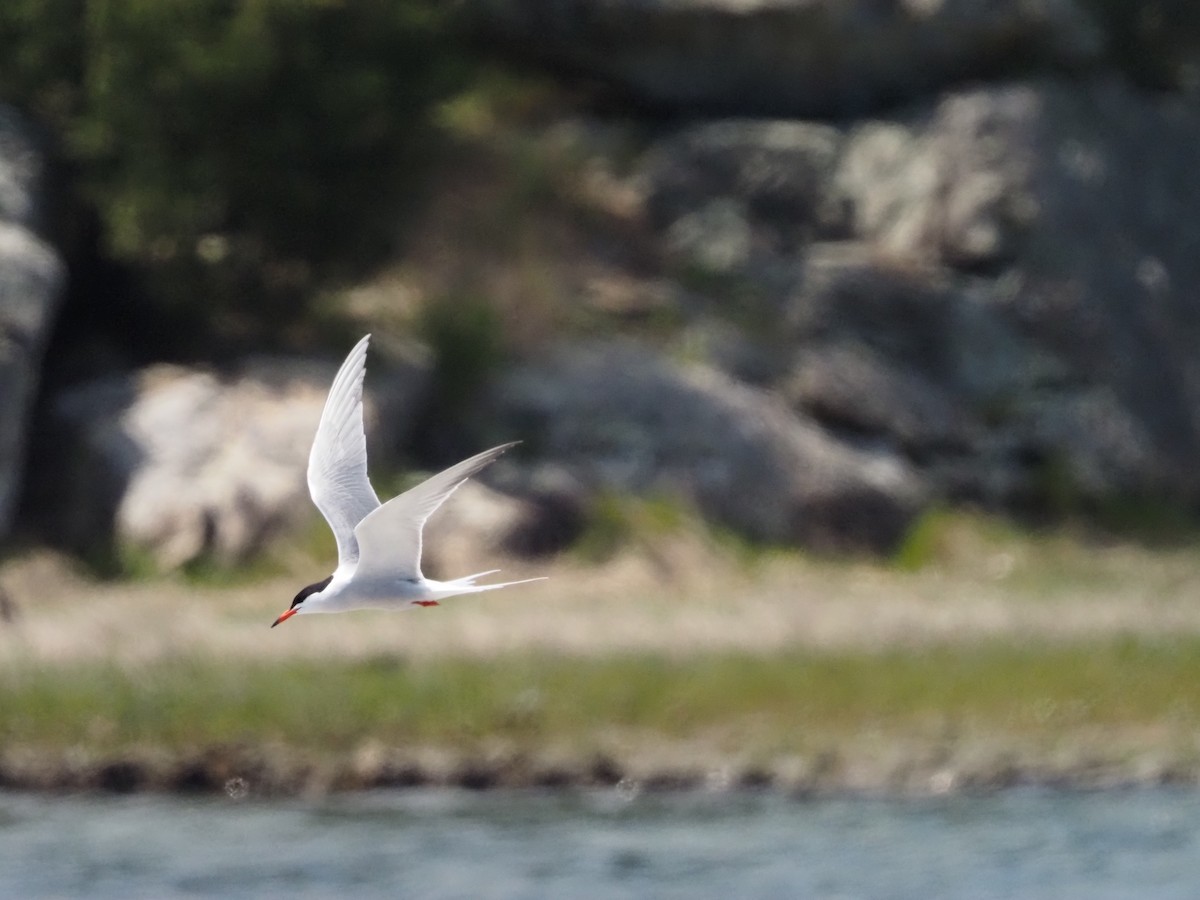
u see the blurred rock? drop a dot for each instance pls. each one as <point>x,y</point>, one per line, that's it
<point>997,284</point>
<point>791,57</point>
<point>32,280</point>
<point>726,192</point>
<point>988,287</point>
<point>23,165</point>
<point>625,419</point>
<point>846,385</point>
<point>716,237</point>
<point>479,524</point>
<point>901,309</point>
<point>1072,214</point>
<point>910,355</point>
<point>952,184</point>
<point>183,463</point>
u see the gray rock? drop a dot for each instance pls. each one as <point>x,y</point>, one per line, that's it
<point>919,318</point>
<point>1075,208</point>
<point>1103,447</point>
<point>900,308</point>
<point>625,419</point>
<point>716,237</point>
<point>32,279</point>
<point>792,57</point>
<point>22,173</point>
<point>953,186</point>
<point>848,386</point>
<point>180,463</point>
<point>777,175</point>
<point>919,358</point>
<point>997,284</point>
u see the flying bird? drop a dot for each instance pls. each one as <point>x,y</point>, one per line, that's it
<point>378,545</point>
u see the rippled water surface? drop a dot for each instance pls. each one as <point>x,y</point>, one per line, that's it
<point>1026,844</point>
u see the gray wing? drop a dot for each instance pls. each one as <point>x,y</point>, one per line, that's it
<point>389,538</point>
<point>337,465</point>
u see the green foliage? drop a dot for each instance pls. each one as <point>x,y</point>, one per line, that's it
<point>945,536</point>
<point>1054,487</point>
<point>616,523</point>
<point>209,571</point>
<point>1155,43</point>
<point>41,68</point>
<point>467,338</point>
<point>234,146</point>
<point>920,545</point>
<point>608,530</point>
<point>1152,521</point>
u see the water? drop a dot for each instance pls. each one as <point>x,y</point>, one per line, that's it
<point>1022,844</point>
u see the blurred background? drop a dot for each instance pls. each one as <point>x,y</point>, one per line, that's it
<point>854,347</point>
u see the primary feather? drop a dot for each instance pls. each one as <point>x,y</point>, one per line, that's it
<point>337,464</point>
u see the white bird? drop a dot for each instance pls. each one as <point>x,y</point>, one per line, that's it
<point>379,546</point>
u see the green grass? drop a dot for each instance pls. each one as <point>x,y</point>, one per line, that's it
<point>784,703</point>
<point>940,534</point>
<point>617,522</point>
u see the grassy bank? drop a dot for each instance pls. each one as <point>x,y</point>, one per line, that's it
<point>975,709</point>
<point>777,703</point>
<point>985,656</point>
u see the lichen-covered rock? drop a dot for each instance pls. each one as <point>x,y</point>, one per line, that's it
<point>625,419</point>
<point>1072,213</point>
<point>849,386</point>
<point>767,187</point>
<point>183,463</point>
<point>997,284</point>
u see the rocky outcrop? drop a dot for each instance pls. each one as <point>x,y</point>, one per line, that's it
<point>32,279</point>
<point>793,57</point>
<point>998,284</point>
<point>914,356</point>
<point>623,419</point>
<point>178,463</point>
<point>738,193</point>
<point>985,292</point>
<point>1070,214</point>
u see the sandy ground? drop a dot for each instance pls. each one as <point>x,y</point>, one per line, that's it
<point>683,595</point>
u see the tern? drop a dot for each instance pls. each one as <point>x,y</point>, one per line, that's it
<point>378,545</point>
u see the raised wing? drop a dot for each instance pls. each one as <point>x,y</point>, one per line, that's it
<point>389,538</point>
<point>337,464</point>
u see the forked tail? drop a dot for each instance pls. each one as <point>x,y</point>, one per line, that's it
<point>467,585</point>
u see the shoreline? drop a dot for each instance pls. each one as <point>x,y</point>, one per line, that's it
<point>246,772</point>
